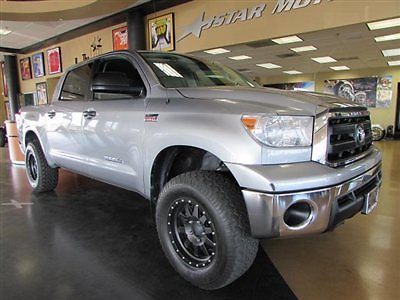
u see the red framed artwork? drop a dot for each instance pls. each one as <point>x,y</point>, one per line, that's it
<point>25,67</point>
<point>120,38</point>
<point>54,60</point>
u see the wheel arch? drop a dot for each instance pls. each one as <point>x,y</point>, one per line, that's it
<point>175,160</point>
<point>30,135</point>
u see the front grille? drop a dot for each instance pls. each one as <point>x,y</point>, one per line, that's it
<point>349,136</point>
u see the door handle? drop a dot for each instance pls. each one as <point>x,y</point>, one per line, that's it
<point>51,113</point>
<point>88,114</point>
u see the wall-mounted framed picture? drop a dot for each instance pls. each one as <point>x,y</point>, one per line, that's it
<point>38,65</point>
<point>4,78</point>
<point>41,93</point>
<point>54,60</point>
<point>162,33</point>
<point>120,38</point>
<point>8,109</point>
<point>25,67</point>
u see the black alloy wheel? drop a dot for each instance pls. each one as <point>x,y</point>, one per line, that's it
<point>204,230</point>
<point>32,167</point>
<point>41,176</point>
<point>192,232</point>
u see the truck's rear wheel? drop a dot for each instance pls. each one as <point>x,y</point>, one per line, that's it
<point>41,176</point>
<point>204,230</point>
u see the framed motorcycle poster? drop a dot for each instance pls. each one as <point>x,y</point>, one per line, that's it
<point>374,91</point>
<point>162,33</point>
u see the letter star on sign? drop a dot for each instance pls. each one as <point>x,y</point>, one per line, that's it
<point>246,14</point>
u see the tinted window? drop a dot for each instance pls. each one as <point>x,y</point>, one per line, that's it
<point>174,71</point>
<point>119,65</point>
<point>77,83</point>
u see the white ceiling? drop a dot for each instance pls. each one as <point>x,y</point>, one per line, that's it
<point>353,46</point>
<point>28,33</point>
<point>25,34</point>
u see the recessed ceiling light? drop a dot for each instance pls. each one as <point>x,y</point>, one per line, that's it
<point>324,59</point>
<point>390,37</point>
<point>304,49</point>
<point>287,40</point>
<point>391,52</point>
<point>217,51</point>
<point>293,72</point>
<point>240,57</point>
<point>384,24</point>
<point>394,63</point>
<point>340,68</point>
<point>269,66</point>
<point>4,31</point>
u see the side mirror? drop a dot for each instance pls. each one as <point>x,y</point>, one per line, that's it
<point>116,83</point>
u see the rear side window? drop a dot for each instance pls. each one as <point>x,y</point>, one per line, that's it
<point>77,84</point>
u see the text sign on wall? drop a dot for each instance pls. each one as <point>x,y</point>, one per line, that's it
<point>242,15</point>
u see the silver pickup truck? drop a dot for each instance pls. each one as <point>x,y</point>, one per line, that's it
<point>224,161</point>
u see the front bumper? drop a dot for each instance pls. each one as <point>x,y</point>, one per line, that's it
<point>329,205</point>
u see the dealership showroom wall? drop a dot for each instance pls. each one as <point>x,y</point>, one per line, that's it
<point>228,150</point>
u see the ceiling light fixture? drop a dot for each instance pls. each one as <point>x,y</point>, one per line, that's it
<point>394,63</point>
<point>391,52</point>
<point>304,49</point>
<point>240,57</point>
<point>4,31</point>
<point>269,66</point>
<point>324,59</point>
<point>390,37</point>
<point>217,51</point>
<point>293,72</point>
<point>287,40</point>
<point>340,68</point>
<point>384,24</point>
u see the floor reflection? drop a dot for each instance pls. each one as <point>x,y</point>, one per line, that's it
<point>89,240</point>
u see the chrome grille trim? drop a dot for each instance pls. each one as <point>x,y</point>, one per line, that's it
<point>321,142</point>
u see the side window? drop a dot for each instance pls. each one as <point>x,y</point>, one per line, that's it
<point>119,65</point>
<point>77,84</point>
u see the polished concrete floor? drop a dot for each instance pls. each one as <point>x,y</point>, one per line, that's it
<point>360,259</point>
<point>88,240</point>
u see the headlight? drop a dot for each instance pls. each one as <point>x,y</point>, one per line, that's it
<point>280,131</point>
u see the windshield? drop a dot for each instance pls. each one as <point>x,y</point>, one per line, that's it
<point>177,71</point>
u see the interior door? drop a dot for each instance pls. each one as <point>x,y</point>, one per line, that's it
<point>64,120</point>
<point>113,128</point>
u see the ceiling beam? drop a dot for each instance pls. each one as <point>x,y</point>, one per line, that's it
<point>10,50</point>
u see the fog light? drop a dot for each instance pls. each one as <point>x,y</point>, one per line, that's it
<point>298,214</point>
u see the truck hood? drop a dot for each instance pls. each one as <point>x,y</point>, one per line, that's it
<point>268,99</point>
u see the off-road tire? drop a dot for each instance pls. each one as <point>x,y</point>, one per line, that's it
<point>47,177</point>
<point>223,201</point>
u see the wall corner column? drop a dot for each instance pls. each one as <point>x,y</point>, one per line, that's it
<point>136,30</point>
<point>11,70</point>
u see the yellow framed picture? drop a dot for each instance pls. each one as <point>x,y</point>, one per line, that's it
<point>162,33</point>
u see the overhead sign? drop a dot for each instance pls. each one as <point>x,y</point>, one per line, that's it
<point>242,15</point>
